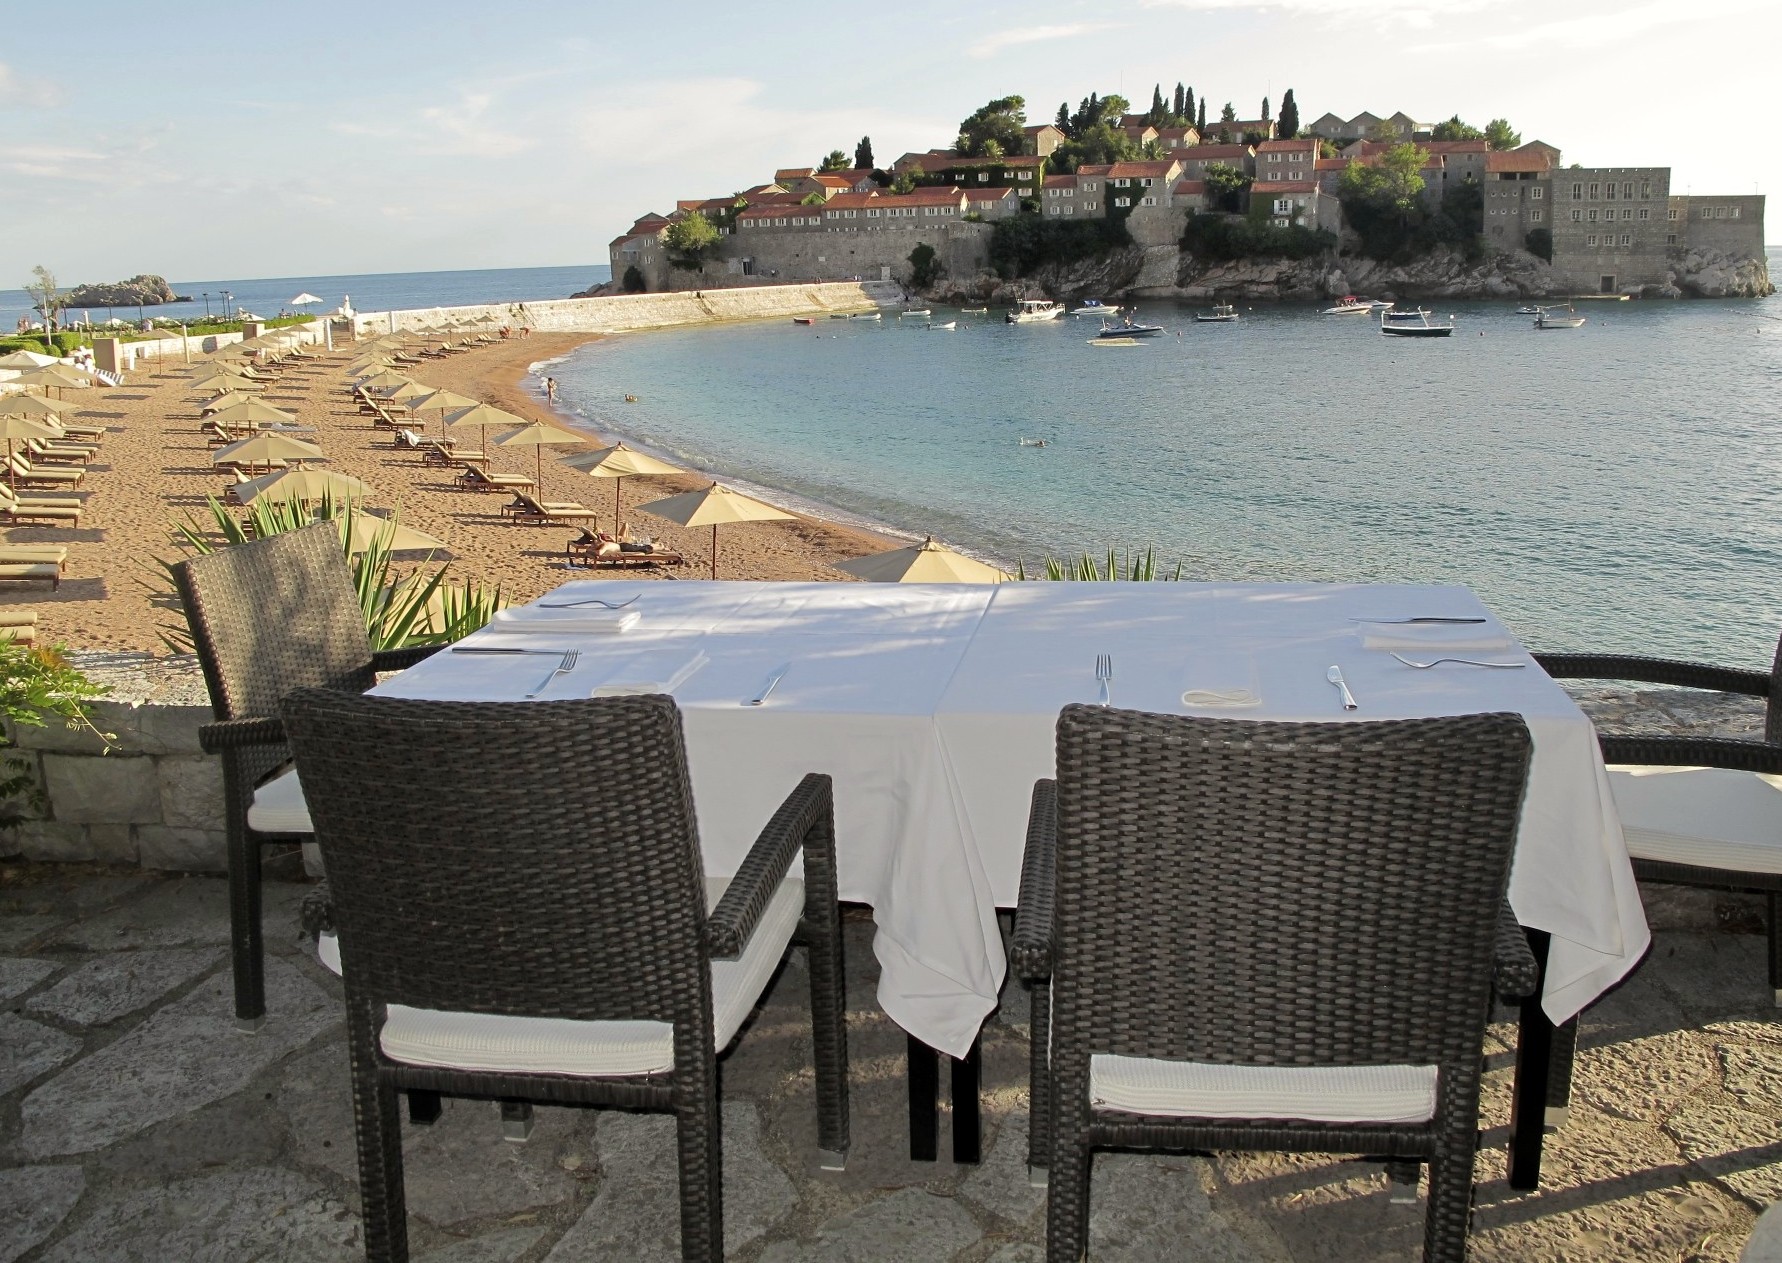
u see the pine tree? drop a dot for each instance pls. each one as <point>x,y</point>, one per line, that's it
<point>1062,122</point>
<point>863,153</point>
<point>1228,114</point>
<point>1289,125</point>
<point>1176,104</point>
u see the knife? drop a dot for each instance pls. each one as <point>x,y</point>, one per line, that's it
<point>1335,676</point>
<point>768,687</point>
<point>1427,619</point>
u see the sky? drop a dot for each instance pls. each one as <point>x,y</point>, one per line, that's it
<point>289,140</point>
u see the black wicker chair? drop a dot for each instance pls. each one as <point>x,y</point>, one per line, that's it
<point>1712,822</point>
<point>510,879</point>
<point>1217,914</point>
<point>269,616</point>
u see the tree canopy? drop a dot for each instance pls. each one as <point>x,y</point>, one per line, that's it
<point>905,180</point>
<point>1003,120</point>
<point>689,240</point>
<point>1227,114</point>
<point>834,160</point>
<point>1225,185</point>
<point>1455,129</point>
<point>1500,135</point>
<point>1288,127</point>
<point>1395,182</point>
<point>45,294</point>
<point>863,154</point>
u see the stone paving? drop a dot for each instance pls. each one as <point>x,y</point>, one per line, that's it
<point>137,1124</point>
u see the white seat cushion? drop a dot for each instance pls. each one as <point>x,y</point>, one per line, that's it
<point>278,807</point>
<point>480,1041</point>
<point>1320,1094</point>
<point>1708,816</point>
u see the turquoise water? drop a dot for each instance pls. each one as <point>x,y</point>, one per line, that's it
<point>382,291</point>
<point>1613,487</point>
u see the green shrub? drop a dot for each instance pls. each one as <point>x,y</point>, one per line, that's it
<point>1020,245</point>
<point>1124,566</point>
<point>924,266</point>
<point>1540,243</point>
<point>1222,237</point>
<point>634,281</point>
<point>67,342</point>
<point>35,683</point>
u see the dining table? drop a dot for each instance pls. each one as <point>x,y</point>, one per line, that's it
<point>933,709</point>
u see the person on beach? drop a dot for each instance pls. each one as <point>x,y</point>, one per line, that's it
<point>551,389</point>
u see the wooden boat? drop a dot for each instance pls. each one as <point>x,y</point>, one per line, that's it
<point>803,320</point>
<point>1115,342</point>
<point>951,324</point>
<point>1567,319</point>
<point>1412,316</point>
<point>1422,327</point>
<point>1033,311</point>
<point>1222,314</point>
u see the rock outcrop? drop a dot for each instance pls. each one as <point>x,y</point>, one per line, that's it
<point>1710,274</point>
<point>145,290</point>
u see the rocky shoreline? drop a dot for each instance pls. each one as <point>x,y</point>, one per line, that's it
<point>144,290</point>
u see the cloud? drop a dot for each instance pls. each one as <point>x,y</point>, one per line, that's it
<point>57,162</point>
<point>1592,30</point>
<point>464,128</point>
<point>1385,13</point>
<point>28,90</point>
<point>994,44</point>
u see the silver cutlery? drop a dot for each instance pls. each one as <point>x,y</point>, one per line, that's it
<point>555,653</point>
<point>1104,672</point>
<point>1335,676</point>
<point>1465,662</point>
<point>571,605</point>
<point>1426,619</point>
<point>768,687</point>
<point>563,668</point>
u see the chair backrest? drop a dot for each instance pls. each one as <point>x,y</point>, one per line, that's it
<point>275,614</point>
<point>521,858</point>
<point>1281,893</point>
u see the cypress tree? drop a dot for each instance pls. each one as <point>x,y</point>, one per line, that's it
<point>863,153</point>
<point>1156,115</point>
<point>1188,106</point>
<point>1201,126</point>
<point>1176,103</point>
<point>1265,107</point>
<point>1062,122</point>
<point>1289,127</point>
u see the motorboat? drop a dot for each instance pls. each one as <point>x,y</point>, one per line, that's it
<point>915,311</point>
<point>973,311</point>
<point>1127,327</point>
<point>1421,327</point>
<point>1349,306</point>
<point>1530,310</point>
<point>1567,319</point>
<point>803,320</point>
<point>1411,317</point>
<point>867,315</point>
<point>1602,298</point>
<point>1378,304</point>
<point>838,315</point>
<point>951,324</point>
<point>1093,307</point>
<point>1033,311</point>
<point>1223,314</point>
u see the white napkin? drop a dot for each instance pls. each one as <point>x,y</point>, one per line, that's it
<point>1221,678</point>
<point>658,671</point>
<point>537,619</point>
<point>1431,636</point>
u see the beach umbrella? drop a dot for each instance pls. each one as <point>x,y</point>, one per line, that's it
<point>16,429</point>
<point>264,449</point>
<point>303,300</point>
<point>539,436</point>
<point>222,383</point>
<point>927,562</point>
<point>228,399</point>
<point>32,406</point>
<point>713,507</point>
<point>366,531</point>
<point>482,416</point>
<point>618,462</point>
<point>383,378</point>
<point>302,484</point>
<point>402,393</point>
<point>367,364</point>
<point>441,401</point>
<point>53,377</point>
<point>253,412</point>
<point>25,359</point>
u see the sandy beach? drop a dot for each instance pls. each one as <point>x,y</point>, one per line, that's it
<point>153,471</point>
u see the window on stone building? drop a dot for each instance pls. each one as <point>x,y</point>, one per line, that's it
<point>1645,188</point>
<point>1626,240</point>
<point>1122,201</point>
<point>1627,189</point>
<point>1593,214</point>
<point>1577,192</point>
<point>1609,190</point>
<point>1595,191</point>
<point>1670,238</point>
<point>1534,217</point>
<point>1707,213</point>
<point>1590,240</point>
<point>1645,214</point>
<point>983,177</point>
<point>1671,213</point>
<point>1535,194</point>
<point>1732,212</point>
<point>1577,215</point>
<point>1070,210</point>
<point>1150,201</point>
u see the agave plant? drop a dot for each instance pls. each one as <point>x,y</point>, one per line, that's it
<point>399,609</point>
<point>1125,565</point>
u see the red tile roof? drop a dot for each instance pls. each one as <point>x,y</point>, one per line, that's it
<point>1190,188</point>
<point>1220,152</point>
<point>1061,182</point>
<point>1330,164</point>
<point>1285,186</point>
<point>933,196</point>
<point>1454,146</point>
<point>1286,146</point>
<point>757,214</point>
<point>1516,161</point>
<point>833,181</point>
<point>1156,168</point>
<point>791,173</point>
<point>990,194</point>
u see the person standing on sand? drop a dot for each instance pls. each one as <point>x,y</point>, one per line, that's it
<point>551,389</point>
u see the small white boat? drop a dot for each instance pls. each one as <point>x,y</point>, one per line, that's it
<point>915,311</point>
<point>1567,319</point>
<point>1530,310</point>
<point>973,311</point>
<point>1378,304</point>
<point>1349,306</point>
<point>1093,307</point>
<point>1421,327</point>
<point>1115,342</point>
<point>1222,314</point>
<point>1033,311</point>
<point>867,315</point>
<point>1412,316</point>
<point>951,324</point>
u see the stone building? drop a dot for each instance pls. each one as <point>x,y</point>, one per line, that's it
<point>1059,197</point>
<point>1299,202</point>
<point>1195,161</point>
<point>1041,139</point>
<point>1609,227</point>
<point>1130,185</point>
<point>1289,160</point>
<point>1518,197</point>
<point>1729,224</point>
<point>1368,126</point>
<point>995,203</point>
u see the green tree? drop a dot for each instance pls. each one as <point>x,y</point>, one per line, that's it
<point>1265,107</point>
<point>1225,185</point>
<point>1540,243</point>
<point>1381,201</point>
<point>1454,129</point>
<point>1175,104</point>
<point>863,154</point>
<point>1156,115</point>
<point>835,160</point>
<point>925,267</point>
<point>46,296</point>
<point>1500,135</point>
<point>812,199</point>
<point>634,281</point>
<point>1200,124</point>
<point>1288,127</point>
<point>1227,114</point>
<point>34,683</point>
<point>1114,107</point>
<point>907,179</point>
<point>1062,122</point>
<point>1188,108</point>
<point>1100,142</point>
<point>1003,120</point>
<point>689,240</point>
<point>991,148</point>
<point>1151,151</point>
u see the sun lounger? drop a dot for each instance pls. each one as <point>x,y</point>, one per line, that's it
<point>596,551</point>
<point>59,453</point>
<point>474,479</point>
<point>19,509</point>
<point>533,512</point>
<point>18,626</point>
<point>17,554</point>
<point>31,572</point>
<point>38,475</point>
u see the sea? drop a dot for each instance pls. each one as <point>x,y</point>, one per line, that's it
<point>1616,487</point>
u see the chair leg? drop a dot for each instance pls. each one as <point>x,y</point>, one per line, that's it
<point>377,1130</point>
<point>1039,1085</point>
<point>829,1038</point>
<point>1403,1173</point>
<point>699,1136</point>
<point>1067,1201</point>
<point>1559,1074</point>
<point>1774,899</point>
<point>1450,1210</point>
<point>516,1121</point>
<point>246,945</point>
<point>423,1107</point>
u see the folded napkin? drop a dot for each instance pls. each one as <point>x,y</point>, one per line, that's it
<point>1221,678</point>
<point>659,671</point>
<point>537,619</point>
<point>1432,636</point>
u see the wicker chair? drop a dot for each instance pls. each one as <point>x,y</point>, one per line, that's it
<point>1696,810</point>
<point>267,617</point>
<point>491,939</point>
<point>1207,909</point>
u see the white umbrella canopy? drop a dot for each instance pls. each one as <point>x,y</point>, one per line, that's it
<point>264,449</point>
<point>32,406</point>
<point>303,300</point>
<point>228,399</point>
<point>302,484</point>
<point>16,429</point>
<point>539,436</point>
<point>618,462</point>
<point>54,377</point>
<point>927,562</point>
<point>713,507</point>
<point>26,359</point>
<point>254,412</point>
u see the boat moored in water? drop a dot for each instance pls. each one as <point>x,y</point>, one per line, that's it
<point>951,324</point>
<point>1557,319</point>
<point>915,311</point>
<point>1420,327</point>
<point>1093,307</point>
<point>867,315</point>
<point>1127,327</point>
<point>973,311</point>
<point>1033,311</point>
<point>1412,316</point>
<point>1222,314</point>
<point>1349,306</point>
<point>803,320</point>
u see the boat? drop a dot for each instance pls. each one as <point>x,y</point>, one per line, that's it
<point>1421,327</point>
<point>867,315</point>
<point>1567,319</point>
<point>1127,327</point>
<point>1411,316</point>
<point>1349,306</point>
<point>1222,314</point>
<point>1378,304</point>
<point>951,324</point>
<point>838,315</point>
<point>1093,307</point>
<point>1033,311</point>
<point>1602,298</point>
<point>803,320</point>
<point>974,311</point>
<point>1530,310</point>
<point>915,311</point>
<point>1115,342</point>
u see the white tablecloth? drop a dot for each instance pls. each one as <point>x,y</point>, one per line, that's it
<point>933,708</point>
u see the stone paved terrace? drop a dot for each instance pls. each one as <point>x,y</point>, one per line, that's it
<point>137,1124</point>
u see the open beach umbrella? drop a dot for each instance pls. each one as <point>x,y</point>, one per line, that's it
<point>33,406</point>
<point>223,383</point>
<point>618,462</point>
<point>442,402</point>
<point>927,562</point>
<point>53,377</point>
<point>401,393</point>
<point>16,429</point>
<point>302,484</point>
<point>713,507</point>
<point>255,413</point>
<point>228,399</point>
<point>265,449</point>
<point>482,416</point>
<point>539,436</point>
<point>389,534</point>
<point>25,359</point>
<point>385,378</point>
<point>303,300</point>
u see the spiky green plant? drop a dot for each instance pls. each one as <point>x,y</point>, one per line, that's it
<point>412,609</point>
<point>1124,565</point>
<point>35,682</point>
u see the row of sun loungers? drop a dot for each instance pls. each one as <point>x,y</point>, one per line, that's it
<point>18,626</point>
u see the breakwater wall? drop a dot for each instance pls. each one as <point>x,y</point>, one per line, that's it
<point>620,313</point>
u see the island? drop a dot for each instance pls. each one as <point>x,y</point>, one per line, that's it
<point>139,291</point>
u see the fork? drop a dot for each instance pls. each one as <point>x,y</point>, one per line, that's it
<point>593,600</point>
<point>1465,662</point>
<point>1104,671</point>
<point>563,668</point>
